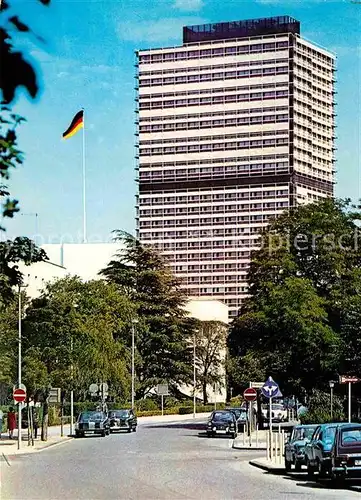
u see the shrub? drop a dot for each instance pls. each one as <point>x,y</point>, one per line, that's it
<point>236,401</point>
<point>319,410</point>
<point>146,404</point>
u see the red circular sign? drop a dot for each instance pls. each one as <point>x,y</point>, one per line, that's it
<point>250,394</point>
<point>19,395</point>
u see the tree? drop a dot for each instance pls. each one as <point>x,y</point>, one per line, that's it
<point>211,342</point>
<point>163,329</point>
<point>21,249</point>
<point>8,341</point>
<point>301,320</point>
<point>16,72</point>
<point>76,334</point>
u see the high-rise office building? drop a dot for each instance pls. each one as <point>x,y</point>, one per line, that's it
<point>235,126</point>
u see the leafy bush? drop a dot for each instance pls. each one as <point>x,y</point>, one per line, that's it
<point>236,401</point>
<point>319,409</point>
<point>146,404</point>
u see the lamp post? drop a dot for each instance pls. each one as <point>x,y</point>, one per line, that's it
<point>194,375</point>
<point>19,361</point>
<point>134,322</point>
<point>332,385</point>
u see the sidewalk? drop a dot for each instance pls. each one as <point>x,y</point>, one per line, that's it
<point>9,447</point>
<point>268,466</point>
<point>257,441</point>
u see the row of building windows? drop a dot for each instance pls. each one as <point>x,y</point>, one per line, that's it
<point>222,99</point>
<point>199,148</point>
<point>241,266</point>
<point>209,233</point>
<point>310,99</point>
<point>219,244</point>
<point>312,54</point>
<point>212,77</point>
<point>209,209</point>
<point>199,116</point>
<point>230,122</point>
<point>194,196</point>
<point>226,170</point>
<point>216,52</point>
<point>210,221</point>
<point>212,67</point>
<point>202,138</point>
<point>214,197</point>
<point>215,90</point>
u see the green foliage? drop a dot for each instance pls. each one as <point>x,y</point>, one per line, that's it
<point>16,72</point>
<point>319,409</point>
<point>147,404</point>
<point>23,250</point>
<point>163,330</point>
<point>75,334</point>
<point>302,320</point>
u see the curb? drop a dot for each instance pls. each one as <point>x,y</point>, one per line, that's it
<point>249,448</point>
<point>277,471</point>
<point>27,451</point>
<point>58,443</point>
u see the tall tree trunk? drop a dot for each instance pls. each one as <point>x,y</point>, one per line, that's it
<point>205,397</point>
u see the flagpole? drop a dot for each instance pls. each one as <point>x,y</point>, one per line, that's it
<point>84,183</point>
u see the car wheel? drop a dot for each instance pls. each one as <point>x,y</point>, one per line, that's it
<point>288,465</point>
<point>209,434</point>
<point>321,469</point>
<point>310,470</point>
<point>77,434</point>
<point>135,429</point>
<point>102,434</point>
<point>129,430</point>
<point>298,466</point>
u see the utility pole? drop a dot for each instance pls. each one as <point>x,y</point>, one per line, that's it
<point>134,322</point>
<point>332,385</point>
<point>19,368</point>
<point>194,375</point>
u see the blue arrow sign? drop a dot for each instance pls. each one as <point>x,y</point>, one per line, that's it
<point>270,389</point>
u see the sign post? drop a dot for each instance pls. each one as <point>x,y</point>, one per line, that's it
<point>162,390</point>
<point>349,379</point>
<point>271,390</point>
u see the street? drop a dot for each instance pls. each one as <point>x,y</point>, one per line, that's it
<point>159,461</point>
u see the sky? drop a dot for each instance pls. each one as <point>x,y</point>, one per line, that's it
<point>87,60</point>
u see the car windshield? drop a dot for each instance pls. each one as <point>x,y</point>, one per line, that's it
<point>91,416</point>
<point>303,433</point>
<point>119,413</point>
<point>351,437</point>
<point>222,416</point>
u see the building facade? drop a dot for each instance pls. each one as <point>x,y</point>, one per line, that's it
<point>234,126</point>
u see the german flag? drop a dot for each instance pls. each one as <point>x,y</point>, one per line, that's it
<point>76,124</point>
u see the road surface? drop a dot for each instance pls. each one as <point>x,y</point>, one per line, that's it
<point>159,461</point>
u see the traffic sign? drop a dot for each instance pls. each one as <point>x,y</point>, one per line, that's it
<point>250,394</point>
<point>93,388</point>
<point>256,385</point>
<point>55,395</point>
<point>19,395</point>
<point>162,390</point>
<point>348,379</point>
<point>270,389</point>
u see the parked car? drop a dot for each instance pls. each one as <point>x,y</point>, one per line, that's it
<point>318,450</point>
<point>345,460</point>
<point>92,422</point>
<point>122,420</point>
<point>222,422</point>
<point>241,417</point>
<point>295,446</point>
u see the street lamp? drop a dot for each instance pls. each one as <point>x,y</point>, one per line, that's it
<point>19,363</point>
<point>194,375</point>
<point>332,385</point>
<point>134,322</point>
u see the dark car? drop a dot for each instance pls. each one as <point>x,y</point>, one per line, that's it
<point>122,420</point>
<point>345,460</point>
<point>318,449</point>
<point>295,446</point>
<point>241,415</point>
<point>92,422</point>
<point>222,422</point>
